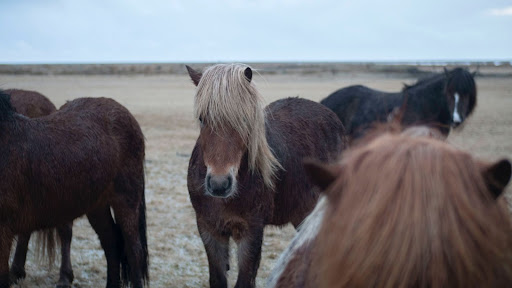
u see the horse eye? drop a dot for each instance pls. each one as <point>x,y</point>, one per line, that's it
<point>201,121</point>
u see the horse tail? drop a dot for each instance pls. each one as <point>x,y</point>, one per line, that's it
<point>45,245</point>
<point>143,237</point>
<point>144,260</point>
<point>125,267</point>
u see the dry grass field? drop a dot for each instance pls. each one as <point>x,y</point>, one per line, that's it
<point>163,106</point>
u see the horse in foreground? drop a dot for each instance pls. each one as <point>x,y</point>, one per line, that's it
<point>402,211</point>
<point>246,168</point>
<point>34,104</point>
<point>85,158</point>
<point>442,101</point>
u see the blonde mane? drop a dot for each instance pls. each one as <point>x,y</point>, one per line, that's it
<point>226,98</point>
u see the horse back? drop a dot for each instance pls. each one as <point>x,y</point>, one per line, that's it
<point>359,106</point>
<point>299,129</point>
<point>30,103</point>
<point>113,117</point>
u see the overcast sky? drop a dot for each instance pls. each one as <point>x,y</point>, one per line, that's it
<point>96,31</point>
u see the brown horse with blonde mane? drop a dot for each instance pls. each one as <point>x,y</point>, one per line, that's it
<point>87,158</point>
<point>34,104</point>
<point>246,167</point>
<point>403,211</point>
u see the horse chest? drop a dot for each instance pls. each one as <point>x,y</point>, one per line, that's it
<point>233,226</point>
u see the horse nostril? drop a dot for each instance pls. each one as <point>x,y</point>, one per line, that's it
<point>208,184</point>
<point>227,183</point>
<point>219,185</point>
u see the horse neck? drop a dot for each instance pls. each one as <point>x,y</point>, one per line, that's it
<point>434,87</point>
<point>424,95</point>
<point>267,159</point>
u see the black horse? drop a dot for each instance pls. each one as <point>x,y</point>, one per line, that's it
<point>443,100</point>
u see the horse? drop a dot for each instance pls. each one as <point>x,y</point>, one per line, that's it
<point>30,103</point>
<point>86,158</point>
<point>245,170</point>
<point>403,210</point>
<point>443,100</point>
<point>34,104</point>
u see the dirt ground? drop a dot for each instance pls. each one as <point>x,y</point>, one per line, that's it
<point>163,107</point>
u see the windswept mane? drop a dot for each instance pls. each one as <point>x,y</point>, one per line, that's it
<point>6,109</point>
<point>226,98</point>
<point>424,81</point>
<point>449,233</point>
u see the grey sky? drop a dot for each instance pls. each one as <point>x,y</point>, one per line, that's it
<point>90,31</point>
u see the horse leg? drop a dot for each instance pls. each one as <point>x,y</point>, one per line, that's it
<point>249,256</point>
<point>6,238</point>
<point>217,252</point>
<point>130,211</point>
<point>111,242</point>
<point>66,271</point>
<point>20,256</point>
<point>128,218</point>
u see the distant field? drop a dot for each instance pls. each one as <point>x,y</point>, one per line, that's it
<point>502,69</point>
<point>163,105</point>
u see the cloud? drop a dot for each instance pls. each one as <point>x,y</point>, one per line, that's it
<point>506,11</point>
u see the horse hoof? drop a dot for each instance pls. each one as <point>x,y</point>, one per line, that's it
<point>17,274</point>
<point>66,283</point>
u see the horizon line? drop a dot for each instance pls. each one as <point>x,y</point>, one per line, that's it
<point>426,61</point>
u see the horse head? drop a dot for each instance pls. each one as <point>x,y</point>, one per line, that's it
<point>460,91</point>
<point>232,125</point>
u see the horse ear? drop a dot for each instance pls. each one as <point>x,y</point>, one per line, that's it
<point>445,71</point>
<point>194,75</point>
<point>248,73</point>
<point>322,175</point>
<point>396,115</point>
<point>497,176</point>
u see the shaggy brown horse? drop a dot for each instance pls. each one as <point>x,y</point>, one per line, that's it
<point>246,167</point>
<point>34,104</point>
<point>86,158</point>
<point>403,211</point>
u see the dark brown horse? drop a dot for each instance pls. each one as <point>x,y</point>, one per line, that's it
<point>34,104</point>
<point>403,211</point>
<point>30,103</point>
<point>85,158</point>
<point>442,100</point>
<point>245,171</point>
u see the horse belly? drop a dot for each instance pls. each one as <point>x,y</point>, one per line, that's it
<point>55,208</point>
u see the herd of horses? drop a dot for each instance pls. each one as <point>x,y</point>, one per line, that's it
<point>377,196</point>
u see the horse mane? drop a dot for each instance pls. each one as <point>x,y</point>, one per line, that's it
<point>464,82</point>
<point>225,97</point>
<point>424,81</point>
<point>412,212</point>
<point>6,109</point>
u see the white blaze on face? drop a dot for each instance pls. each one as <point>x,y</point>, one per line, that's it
<point>456,116</point>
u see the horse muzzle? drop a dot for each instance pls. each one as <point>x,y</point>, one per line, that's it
<point>220,186</point>
<point>456,123</point>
